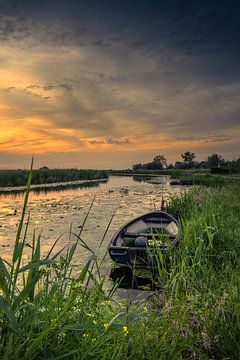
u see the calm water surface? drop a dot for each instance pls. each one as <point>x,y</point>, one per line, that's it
<point>54,212</point>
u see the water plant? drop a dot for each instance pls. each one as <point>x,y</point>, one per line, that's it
<point>48,176</point>
<point>49,308</point>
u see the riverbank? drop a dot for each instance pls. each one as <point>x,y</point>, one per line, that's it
<point>49,186</point>
<point>10,178</point>
<point>57,316</point>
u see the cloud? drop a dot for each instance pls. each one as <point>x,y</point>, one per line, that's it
<point>146,77</point>
<point>209,138</point>
<point>110,142</point>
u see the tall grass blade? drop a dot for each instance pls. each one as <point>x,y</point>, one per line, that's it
<point>86,217</point>
<point>5,278</point>
<point>106,230</point>
<point>37,264</point>
<point>19,230</point>
<point>53,246</point>
<point>9,314</point>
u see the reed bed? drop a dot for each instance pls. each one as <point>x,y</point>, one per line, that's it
<point>48,176</point>
<point>49,310</point>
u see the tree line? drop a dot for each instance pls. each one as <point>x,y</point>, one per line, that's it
<point>214,162</point>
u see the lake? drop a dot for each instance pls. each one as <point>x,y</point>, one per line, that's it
<point>55,211</point>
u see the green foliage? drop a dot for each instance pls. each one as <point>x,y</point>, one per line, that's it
<point>49,309</point>
<point>188,157</point>
<point>48,176</point>
<point>212,180</point>
<point>158,163</point>
<point>215,160</point>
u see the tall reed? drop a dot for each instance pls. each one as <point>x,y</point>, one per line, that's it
<point>51,309</point>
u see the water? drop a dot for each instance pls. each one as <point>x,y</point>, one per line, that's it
<point>54,212</point>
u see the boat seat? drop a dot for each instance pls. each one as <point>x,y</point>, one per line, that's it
<point>146,235</point>
<point>130,234</point>
<point>151,220</point>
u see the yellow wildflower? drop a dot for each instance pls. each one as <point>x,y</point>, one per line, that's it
<point>125,330</point>
<point>85,335</point>
<point>106,302</point>
<point>106,325</point>
<point>145,308</point>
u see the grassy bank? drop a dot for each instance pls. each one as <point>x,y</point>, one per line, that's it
<point>175,173</point>
<point>206,179</point>
<point>213,180</point>
<point>55,315</point>
<point>48,176</point>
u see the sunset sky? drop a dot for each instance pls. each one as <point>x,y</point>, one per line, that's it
<point>106,84</point>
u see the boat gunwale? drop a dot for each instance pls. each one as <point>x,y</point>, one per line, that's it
<point>138,248</point>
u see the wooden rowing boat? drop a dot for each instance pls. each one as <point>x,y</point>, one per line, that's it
<point>135,241</point>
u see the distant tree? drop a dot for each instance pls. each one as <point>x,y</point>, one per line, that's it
<point>137,167</point>
<point>237,163</point>
<point>178,165</point>
<point>203,165</point>
<point>215,160</point>
<point>152,166</point>
<point>194,164</point>
<point>188,158</point>
<point>160,160</point>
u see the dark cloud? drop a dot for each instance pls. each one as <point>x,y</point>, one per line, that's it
<point>48,87</point>
<point>114,70</point>
<point>208,138</point>
<point>8,89</point>
<point>110,141</point>
<point>191,26</point>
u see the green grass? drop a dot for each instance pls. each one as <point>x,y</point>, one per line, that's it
<point>212,180</point>
<point>49,176</point>
<point>205,179</point>
<point>49,310</point>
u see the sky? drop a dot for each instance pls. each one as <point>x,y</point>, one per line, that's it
<point>106,84</point>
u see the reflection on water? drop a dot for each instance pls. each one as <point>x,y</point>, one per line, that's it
<point>55,212</point>
<point>73,188</point>
<point>163,179</point>
<point>50,188</point>
<point>141,178</point>
<point>129,278</point>
<point>82,186</point>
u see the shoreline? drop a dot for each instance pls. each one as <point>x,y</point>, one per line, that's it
<point>10,189</point>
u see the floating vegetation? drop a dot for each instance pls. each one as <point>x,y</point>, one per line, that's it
<point>50,310</point>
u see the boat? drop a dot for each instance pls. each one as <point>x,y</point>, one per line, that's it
<point>136,242</point>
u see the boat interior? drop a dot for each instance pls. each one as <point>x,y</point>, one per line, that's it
<point>157,231</point>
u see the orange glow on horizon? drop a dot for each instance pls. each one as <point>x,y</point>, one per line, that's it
<point>39,136</point>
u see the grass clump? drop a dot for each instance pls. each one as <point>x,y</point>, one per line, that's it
<point>212,180</point>
<point>48,310</point>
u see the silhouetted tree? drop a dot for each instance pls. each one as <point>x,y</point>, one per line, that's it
<point>137,166</point>
<point>203,165</point>
<point>215,160</point>
<point>178,165</point>
<point>161,160</point>
<point>188,157</point>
